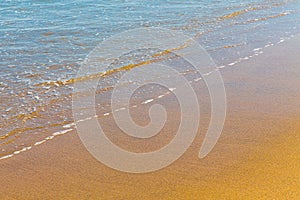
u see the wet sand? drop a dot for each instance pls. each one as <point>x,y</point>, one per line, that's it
<point>257,156</point>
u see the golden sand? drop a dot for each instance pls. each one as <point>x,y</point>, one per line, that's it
<point>271,172</point>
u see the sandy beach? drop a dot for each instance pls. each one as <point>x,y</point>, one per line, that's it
<point>257,156</point>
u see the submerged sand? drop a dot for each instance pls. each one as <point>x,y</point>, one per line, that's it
<point>257,156</point>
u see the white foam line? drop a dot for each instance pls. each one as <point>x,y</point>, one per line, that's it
<point>172,89</point>
<point>147,101</point>
<point>81,120</point>
<point>28,148</point>
<point>184,73</point>
<point>49,137</point>
<point>69,125</point>
<point>62,132</point>
<point>106,114</point>
<point>40,142</point>
<point>17,152</point>
<point>45,140</point>
<point>208,73</point>
<point>8,156</point>
<point>24,149</point>
<point>257,49</point>
<point>221,67</point>
<point>198,79</point>
<point>160,96</point>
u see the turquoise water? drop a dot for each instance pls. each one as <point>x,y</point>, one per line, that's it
<point>45,41</point>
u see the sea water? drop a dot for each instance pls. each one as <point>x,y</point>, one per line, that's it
<point>43,43</point>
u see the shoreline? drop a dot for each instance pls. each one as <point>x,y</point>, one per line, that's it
<point>68,125</point>
<point>262,126</point>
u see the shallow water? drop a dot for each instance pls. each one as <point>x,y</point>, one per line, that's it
<point>43,43</point>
